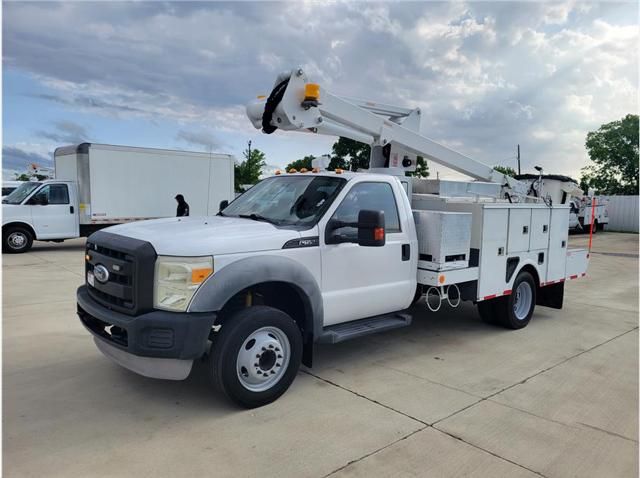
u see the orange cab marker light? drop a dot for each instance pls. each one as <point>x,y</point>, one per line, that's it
<point>278,172</point>
<point>199,275</point>
<point>261,97</point>
<point>304,170</point>
<point>293,170</point>
<point>315,170</point>
<point>378,234</point>
<point>339,171</point>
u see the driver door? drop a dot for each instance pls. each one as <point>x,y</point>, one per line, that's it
<point>53,212</point>
<point>358,281</point>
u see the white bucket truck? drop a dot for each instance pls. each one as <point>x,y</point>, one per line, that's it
<point>319,256</point>
<point>99,185</point>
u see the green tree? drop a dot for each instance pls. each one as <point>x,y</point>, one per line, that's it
<point>22,177</point>
<point>249,170</point>
<point>506,170</point>
<point>298,164</point>
<point>349,154</point>
<point>613,150</point>
<point>422,168</point>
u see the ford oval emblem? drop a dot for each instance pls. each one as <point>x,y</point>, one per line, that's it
<point>101,273</point>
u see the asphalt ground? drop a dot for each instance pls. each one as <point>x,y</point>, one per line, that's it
<point>448,396</point>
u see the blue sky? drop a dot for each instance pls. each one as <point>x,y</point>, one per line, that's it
<point>177,75</point>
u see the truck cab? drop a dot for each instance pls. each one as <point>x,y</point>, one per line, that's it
<point>39,210</point>
<point>308,251</point>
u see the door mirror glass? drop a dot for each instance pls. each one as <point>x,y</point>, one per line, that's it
<point>371,231</point>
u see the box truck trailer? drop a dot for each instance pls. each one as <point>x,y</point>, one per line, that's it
<point>99,185</point>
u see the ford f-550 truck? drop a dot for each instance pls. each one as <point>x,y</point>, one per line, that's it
<point>318,256</point>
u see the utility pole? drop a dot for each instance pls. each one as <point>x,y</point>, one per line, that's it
<point>249,150</point>
<point>518,159</point>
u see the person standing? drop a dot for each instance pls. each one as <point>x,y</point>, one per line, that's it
<point>183,206</point>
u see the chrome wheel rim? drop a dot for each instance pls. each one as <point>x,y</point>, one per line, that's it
<point>522,300</point>
<point>263,359</point>
<point>17,240</point>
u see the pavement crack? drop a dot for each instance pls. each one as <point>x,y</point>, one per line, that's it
<point>489,452</point>
<point>374,451</point>
<point>364,396</point>
<point>608,432</point>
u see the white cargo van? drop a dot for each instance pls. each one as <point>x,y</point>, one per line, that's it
<point>100,185</point>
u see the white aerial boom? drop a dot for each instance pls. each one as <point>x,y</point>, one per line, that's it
<point>393,132</point>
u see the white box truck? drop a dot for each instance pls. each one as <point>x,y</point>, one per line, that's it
<point>99,185</point>
<point>319,257</point>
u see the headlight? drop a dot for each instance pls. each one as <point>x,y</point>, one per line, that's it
<point>177,279</point>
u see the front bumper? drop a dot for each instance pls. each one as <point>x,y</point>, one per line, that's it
<point>167,336</point>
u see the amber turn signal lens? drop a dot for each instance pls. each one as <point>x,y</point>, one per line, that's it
<point>199,275</point>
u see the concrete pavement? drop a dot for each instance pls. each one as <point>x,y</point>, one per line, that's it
<point>448,396</point>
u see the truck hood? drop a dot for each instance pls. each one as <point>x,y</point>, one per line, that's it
<point>206,236</point>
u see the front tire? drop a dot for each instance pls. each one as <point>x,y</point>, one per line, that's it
<point>16,239</point>
<point>256,356</point>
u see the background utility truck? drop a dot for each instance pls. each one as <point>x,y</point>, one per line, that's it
<point>565,190</point>
<point>98,185</point>
<point>319,256</point>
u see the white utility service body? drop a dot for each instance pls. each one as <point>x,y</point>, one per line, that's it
<point>320,256</point>
<point>99,185</point>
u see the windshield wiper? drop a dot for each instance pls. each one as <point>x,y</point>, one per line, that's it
<point>257,217</point>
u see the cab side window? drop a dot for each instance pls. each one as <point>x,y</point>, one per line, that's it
<point>368,196</point>
<point>55,193</point>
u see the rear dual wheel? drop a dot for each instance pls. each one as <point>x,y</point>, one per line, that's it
<point>513,311</point>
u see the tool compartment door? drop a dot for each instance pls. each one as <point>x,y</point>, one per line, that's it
<point>558,238</point>
<point>539,233</point>
<point>493,257</point>
<point>519,230</point>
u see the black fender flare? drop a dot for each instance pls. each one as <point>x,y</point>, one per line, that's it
<point>244,273</point>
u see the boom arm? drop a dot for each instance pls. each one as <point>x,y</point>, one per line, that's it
<point>392,132</point>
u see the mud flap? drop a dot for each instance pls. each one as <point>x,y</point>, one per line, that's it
<point>551,296</point>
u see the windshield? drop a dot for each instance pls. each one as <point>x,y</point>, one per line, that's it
<point>21,192</point>
<point>287,200</point>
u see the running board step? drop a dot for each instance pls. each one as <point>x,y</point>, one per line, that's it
<point>359,328</point>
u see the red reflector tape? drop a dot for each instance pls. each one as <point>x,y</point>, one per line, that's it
<point>575,276</point>
<point>584,274</point>
<point>506,292</point>
<point>493,296</point>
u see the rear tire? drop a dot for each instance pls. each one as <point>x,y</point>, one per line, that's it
<point>256,356</point>
<point>515,310</point>
<point>16,239</point>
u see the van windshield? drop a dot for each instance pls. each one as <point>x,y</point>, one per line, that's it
<point>21,192</point>
<point>287,200</point>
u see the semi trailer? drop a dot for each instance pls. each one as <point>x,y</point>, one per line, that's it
<point>319,256</point>
<point>99,185</point>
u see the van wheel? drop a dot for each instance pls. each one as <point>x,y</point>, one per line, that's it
<point>514,311</point>
<point>256,356</point>
<point>16,239</point>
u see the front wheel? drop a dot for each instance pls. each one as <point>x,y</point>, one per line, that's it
<point>256,355</point>
<point>16,239</point>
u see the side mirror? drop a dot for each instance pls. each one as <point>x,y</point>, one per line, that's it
<point>371,228</point>
<point>223,204</point>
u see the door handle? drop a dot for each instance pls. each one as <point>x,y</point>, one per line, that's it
<point>71,209</point>
<point>406,252</point>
